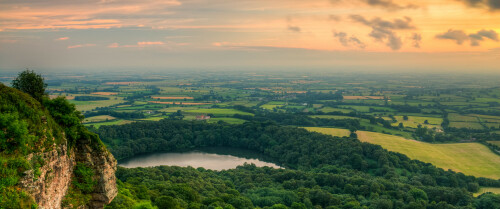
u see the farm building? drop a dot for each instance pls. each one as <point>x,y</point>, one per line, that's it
<point>202,117</point>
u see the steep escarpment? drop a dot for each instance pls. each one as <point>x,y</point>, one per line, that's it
<point>48,159</point>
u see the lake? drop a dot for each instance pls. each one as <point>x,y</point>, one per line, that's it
<point>208,158</point>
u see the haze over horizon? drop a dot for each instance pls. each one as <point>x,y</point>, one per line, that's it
<point>370,35</point>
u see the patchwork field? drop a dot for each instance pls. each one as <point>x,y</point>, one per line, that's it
<point>469,158</point>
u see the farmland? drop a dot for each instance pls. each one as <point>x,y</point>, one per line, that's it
<point>218,112</point>
<point>394,108</point>
<point>468,158</point>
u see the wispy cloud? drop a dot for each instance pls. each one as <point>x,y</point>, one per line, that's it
<point>81,14</point>
<point>80,46</point>
<point>62,39</point>
<point>139,44</point>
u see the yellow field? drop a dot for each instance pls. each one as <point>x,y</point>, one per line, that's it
<point>330,131</point>
<point>469,158</point>
<point>487,189</point>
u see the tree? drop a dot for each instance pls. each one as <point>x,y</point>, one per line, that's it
<point>31,83</point>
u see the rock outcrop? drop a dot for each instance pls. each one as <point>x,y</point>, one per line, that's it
<point>41,152</point>
<point>51,184</point>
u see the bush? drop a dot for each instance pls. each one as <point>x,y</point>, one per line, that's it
<point>84,178</point>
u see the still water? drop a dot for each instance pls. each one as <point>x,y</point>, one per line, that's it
<point>208,158</point>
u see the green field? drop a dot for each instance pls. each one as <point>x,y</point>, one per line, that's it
<point>90,105</point>
<point>99,118</point>
<point>415,121</point>
<point>367,108</point>
<point>469,158</point>
<point>227,120</point>
<point>218,112</point>
<point>376,128</point>
<point>470,125</point>
<point>461,118</point>
<point>331,109</point>
<point>272,105</point>
<point>108,123</point>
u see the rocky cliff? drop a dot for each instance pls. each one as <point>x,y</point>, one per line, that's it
<point>48,159</point>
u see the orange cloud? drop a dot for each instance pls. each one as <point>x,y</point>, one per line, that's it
<point>114,45</point>
<point>77,15</point>
<point>62,39</point>
<point>139,44</point>
<point>147,43</point>
<point>80,45</point>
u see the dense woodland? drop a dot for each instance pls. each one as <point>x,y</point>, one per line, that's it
<point>316,164</point>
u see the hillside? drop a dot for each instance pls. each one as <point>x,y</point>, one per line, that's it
<point>469,158</point>
<point>47,158</point>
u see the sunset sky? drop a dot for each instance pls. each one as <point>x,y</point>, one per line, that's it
<point>423,35</point>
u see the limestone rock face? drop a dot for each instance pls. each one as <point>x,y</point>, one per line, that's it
<point>104,165</point>
<point>50,187</point>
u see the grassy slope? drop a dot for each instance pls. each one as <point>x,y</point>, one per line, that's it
<point>470,158</point>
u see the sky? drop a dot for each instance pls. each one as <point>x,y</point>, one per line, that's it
<point>100,35</point>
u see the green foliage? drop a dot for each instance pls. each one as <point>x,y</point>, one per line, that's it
<point>488,201</point>
<point>84,178</point>
<point>31,83</point>
<point>75,198</point>
<point>14,133</point>
<point>66,115</point>
<point>12,196</point>
<point>321,170</point>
